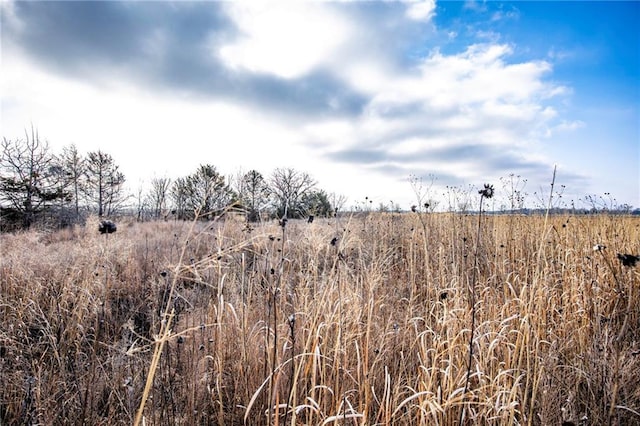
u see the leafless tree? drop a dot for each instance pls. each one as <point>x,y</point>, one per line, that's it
<point>142,203</point>
<point>338,201</point>
<point>288,187</point>
<point>158,194</point>
<point>29,178</point>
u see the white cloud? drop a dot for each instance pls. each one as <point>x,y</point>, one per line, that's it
<point>475,6</point>
<point>479,99</point>
<point>568,126</point>
<point>440,115</point>
<point>287,39</point>
<point>145,132</point>
<point>475,100</point>
<point>502,15</point>
<point>365,75</point>
<point>422,10</point>
<point>476,76</point>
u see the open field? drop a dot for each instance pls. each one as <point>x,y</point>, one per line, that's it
<point>356,320</point>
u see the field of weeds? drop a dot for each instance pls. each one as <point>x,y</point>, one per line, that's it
<point>405,319</point>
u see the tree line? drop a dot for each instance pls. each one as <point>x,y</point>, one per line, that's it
<point>38,186</point>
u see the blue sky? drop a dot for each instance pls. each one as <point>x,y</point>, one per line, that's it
<point>361,95</point>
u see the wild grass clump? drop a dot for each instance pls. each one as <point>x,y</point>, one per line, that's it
<point>414,318</point>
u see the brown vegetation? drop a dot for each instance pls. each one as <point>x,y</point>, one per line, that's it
<point>356,320</point>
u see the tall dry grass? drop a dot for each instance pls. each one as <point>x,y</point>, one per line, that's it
<point>277,325</point>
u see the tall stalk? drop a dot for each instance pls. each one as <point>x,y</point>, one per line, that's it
<point>487,192</point>
<point>274,302</point>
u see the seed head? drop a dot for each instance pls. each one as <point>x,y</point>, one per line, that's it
<point>628,259</point>
<point>107,227</point>
<point>487,192</point>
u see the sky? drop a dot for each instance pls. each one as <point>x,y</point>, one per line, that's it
<point>360,95</point>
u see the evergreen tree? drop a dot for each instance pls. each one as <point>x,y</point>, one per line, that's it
<point>104,183</point>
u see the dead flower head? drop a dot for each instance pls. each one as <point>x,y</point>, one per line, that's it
<point>107,227</point>
<point>628,259</point>
<point>487,191</point>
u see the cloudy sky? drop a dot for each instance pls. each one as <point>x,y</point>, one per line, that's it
<point>361,95</point>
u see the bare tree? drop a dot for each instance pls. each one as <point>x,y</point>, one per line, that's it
<point>142,203</point>
<point>236,183</point>
<point>104,182</point>
<point>158,194</point>
<point>288,187</point>
<point>29,178</point>
<point>338,201</point>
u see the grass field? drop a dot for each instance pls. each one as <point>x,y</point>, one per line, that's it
<point>358,320</point>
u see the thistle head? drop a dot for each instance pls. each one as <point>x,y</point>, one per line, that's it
<point>628,259</point>
<point>487,191</point>
<point>107,227</point>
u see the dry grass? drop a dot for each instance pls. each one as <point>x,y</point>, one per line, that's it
<point>278,326</point>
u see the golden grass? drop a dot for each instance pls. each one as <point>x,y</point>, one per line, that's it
<point>215,323</point>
